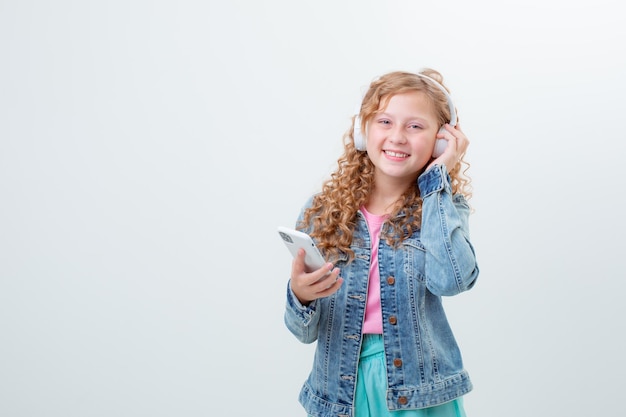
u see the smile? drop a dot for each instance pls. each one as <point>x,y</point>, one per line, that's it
<point>396,154</point>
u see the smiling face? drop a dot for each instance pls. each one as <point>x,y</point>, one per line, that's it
<point>401,137</point>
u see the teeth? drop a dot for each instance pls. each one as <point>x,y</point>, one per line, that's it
<point>396,154</point>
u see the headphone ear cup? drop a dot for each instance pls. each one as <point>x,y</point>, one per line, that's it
<point>440,145</point>
<point>357,135</point>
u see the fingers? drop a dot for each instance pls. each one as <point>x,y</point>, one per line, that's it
<point>457,142</point>
<point>335,284</point>
<point>455,149</point>
<point>297,266</point>
<point>326,283</point>
<point>317,284</point>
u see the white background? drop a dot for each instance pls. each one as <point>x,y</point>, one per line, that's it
<point>149,150</point>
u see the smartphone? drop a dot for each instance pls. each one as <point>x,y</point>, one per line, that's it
<point>294,240</point>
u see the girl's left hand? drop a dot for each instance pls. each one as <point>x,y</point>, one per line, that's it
<point>457,145</point>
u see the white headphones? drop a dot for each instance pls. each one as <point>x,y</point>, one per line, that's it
<point>440,144</point>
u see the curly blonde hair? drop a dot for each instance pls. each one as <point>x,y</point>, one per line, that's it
<point>332,216</point>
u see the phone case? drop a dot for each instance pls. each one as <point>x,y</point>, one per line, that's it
<point>294,240</point>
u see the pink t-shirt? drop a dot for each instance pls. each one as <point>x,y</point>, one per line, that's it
<point>373,316</point>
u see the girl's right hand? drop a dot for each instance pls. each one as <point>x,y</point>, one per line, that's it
<point>309,286</point>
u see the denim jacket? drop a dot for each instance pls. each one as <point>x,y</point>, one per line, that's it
<point>424,365</point>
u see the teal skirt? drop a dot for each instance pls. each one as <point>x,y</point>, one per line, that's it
<point>371,387</point>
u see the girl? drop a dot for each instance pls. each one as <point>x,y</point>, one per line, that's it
<point>393,220</point>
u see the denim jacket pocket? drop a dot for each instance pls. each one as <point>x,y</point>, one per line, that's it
<point>414,259</point>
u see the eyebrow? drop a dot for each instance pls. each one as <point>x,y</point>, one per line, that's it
<point>385,114</point>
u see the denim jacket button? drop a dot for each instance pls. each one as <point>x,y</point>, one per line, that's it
<point>397,362</point>
<point>391,280</point>
<point>402,400</point>
<point>393,320</point>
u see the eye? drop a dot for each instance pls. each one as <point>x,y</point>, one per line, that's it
<point>384,121</point>
<point>415,126</point>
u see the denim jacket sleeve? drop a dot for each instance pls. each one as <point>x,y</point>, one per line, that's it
<point>301,320</point>
<point>451,266</point>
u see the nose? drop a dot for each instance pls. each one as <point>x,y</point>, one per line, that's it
<point>397,135</point>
